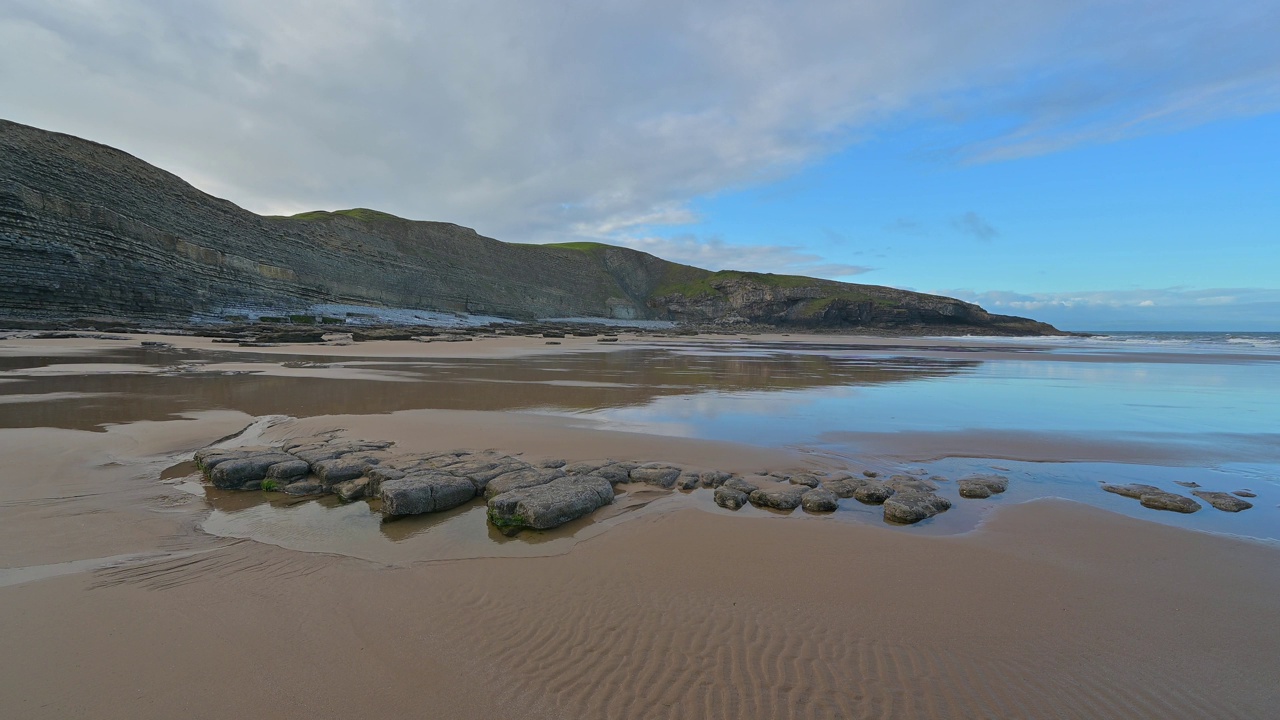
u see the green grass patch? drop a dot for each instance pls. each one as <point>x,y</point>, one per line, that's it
<point>695,285</point>
<point>272,319</point>
<point>302,319</point>
<point>363,214</point>
<point>332,321</point>
<point>270,486</point>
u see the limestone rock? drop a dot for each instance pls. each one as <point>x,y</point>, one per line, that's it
<point>1225,502</point>
<point>714,478</point>
<point>727,497</point>
<point>288,470</point>
<point>785,498</point>
<point>549,505</point>
<point>844,487</point>
<point>1132,490</point>
<point>804,479</point>
<point>303,487</point>
<point>1169,501</point>
<point>819,500</point>
<point>352,490</point>
<point>235,473</point>
<point>431,491</point>
<point>872,492</point>
<point>741,485</point>
<point>656,474</point>
<point>521,479</point>
<point>912,506</point>
<point>983,486</point>
<point>341,469</point>
<point>688,481</point>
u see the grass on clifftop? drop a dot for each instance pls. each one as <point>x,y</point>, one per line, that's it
<point>364,214</point>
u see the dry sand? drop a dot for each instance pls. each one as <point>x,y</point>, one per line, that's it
<point>1049,610</point>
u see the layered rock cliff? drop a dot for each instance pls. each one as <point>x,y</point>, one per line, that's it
<point>88,230</point>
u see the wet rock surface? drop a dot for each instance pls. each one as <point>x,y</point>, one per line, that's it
<point>912,506</point>
<point>549,505</point>
<point>1225,502</point>
<point>1154,498</point>
<point>782,498</point>
<point>820,501</point>
<point>982,486</point>
<point>727,497</point>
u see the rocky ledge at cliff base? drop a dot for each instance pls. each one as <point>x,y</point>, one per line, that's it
<point>536,495</point>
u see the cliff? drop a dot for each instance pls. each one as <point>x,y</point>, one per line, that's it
<point>88,230</point>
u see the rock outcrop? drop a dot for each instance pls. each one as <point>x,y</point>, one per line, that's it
<point>90,231</point>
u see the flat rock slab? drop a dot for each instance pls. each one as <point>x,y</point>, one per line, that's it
<point>742,485</point>
<point>804,479</point>
<point>912,506</point>
<point>531,477</point>
<point>819,500</point>
<point>342,469</point>
<point>907,483</point>
<point>1225,502</point>
<point>727,497</point>
<point>785,498</point>
<point>230,474</point>
<point>551,504</point>
<point>983,486</point>
<point>1132,490</point>
<point>428,492</point>
<point>1154,498</point>
<point>655,474</point>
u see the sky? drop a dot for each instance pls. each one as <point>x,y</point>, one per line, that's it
<point>1097,164</point>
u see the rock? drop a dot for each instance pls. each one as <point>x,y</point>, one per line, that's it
<point>583,468</point>
<point>714,478</point>
<point>1169,501</point>
<point>741,485</point>
<point>521,479</point>
<point>236,473</point>
<point>615,472</point>
<point>332,472</point>
<point>352,490</point>
<point>819,501</point>
<point>303,487</point>
<point>804,479</point>
<point>1223,501</point>
<point>1186,483</point>
<point>557,463</point>
<point>871,473</point>
<point>378,474</point>
<point>656,474</point>
<point>872,492</point>
<point>481,472</point>
<point>288,470</point>
<point>549,505</point>
<point>688,481</point>
<point>427,492</point>
<point>727,497</point>
<point>983,486</point>
<point>209,458</point>
<point>1133,490</point>
<point>785,498</point>
<point>843,487</point>
<point>1245,493</point>
<point>912,506</point>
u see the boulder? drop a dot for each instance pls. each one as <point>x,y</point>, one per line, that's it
<point>819,500</point>
<point>549,505</point>
<point>805,479</point>
<point>521,479</point>
<point>336,470</point>
<point>714,478</point>
<point>688,481</point>
<point>1169,501</point>
<point>784,498</point>
<point>727,497</point>
<point>912,506</point>
<point>741,485</point>
<point>289,470</point>
<point>556,463</point>
<point>209,458</point>
<point>583,468</point>
<point>352,490</point>
<point>907,483</point>
<point>1245,493</point>
<point>614,472</point>
<point>983,486</point>
<point>303,487</point>
<point>1225,502</point>
<point>235,473</point>
<point>426,492</point>
<point>656,474</point>
<point>872,492</point>
<point>844,487</point>
<point>1132,490</point>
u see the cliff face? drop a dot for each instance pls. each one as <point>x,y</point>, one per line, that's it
<point>87,230</point>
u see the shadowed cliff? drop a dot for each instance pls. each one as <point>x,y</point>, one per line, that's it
<point>88,230</point>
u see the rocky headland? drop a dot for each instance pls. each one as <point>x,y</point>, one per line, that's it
<point>88,231</point>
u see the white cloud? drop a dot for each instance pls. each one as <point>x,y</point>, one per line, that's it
<point>1174,308</point>
<point>716,254</point>
<point>538,121</point>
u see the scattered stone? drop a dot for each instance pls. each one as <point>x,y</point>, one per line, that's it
<point>156,344</point>
<point>805,479</point>
<point>741,485</point>
<point>615,472</point>
<point>427,492</point>
<point>727,497</point>
<point>714,478</point>
<point>785,498</point>
<point>656,474</point>
<point>1133,490</point>
<point>912,506</point>
<point>1169,501</point>
<point>688,481</point>
<point>843,487</point>
<point>353,490</point>
<point>550,505</point>
<point>872,493</point>
<point>303,487</point>
<point>871,473</point>
<point>819,501</point>
<point>1245,493</point>
<point>1225,502</point>
<point>557,463</point>
<point>906,483</point>
<point>583,468</point>
<point>521,479</point>
<point>1186,483</point>
<point>983,486</point>
<point>607,339</point>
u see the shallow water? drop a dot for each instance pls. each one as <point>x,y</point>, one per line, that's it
<point>1056,417</point>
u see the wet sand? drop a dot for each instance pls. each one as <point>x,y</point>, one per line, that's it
<point>115,604</point>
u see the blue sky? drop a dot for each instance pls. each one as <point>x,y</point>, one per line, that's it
<point>1098,164</point>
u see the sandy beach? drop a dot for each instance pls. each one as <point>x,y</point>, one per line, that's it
<point>116,600</point>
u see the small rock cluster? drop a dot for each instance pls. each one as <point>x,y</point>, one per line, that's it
<point>544,495</point>
<point>1157,499</point>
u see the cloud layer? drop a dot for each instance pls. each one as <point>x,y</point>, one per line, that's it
<point>535,121</point>
<point>1165,308</point>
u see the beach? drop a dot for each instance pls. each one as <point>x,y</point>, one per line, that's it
<point>131,589</point>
